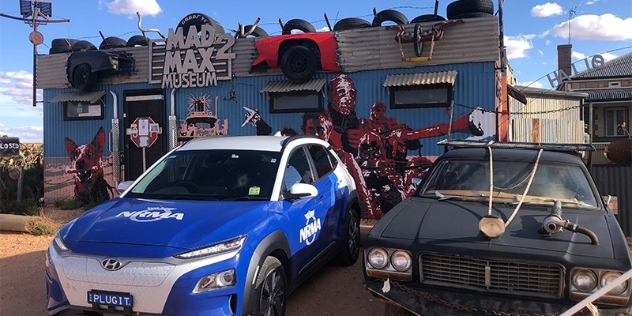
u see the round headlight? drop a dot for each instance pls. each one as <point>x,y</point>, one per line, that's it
<point>608,277</point>
<point>400,260</point>
<point>378,258</point>
<point>584,280</point>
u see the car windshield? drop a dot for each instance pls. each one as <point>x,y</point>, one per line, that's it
<point>467,179</point>
<point>210,175</point>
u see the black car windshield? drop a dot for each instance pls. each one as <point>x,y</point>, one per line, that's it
<point>470,180</point>
<point>210,175</point>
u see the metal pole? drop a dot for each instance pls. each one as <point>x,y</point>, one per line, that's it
<point>35,15</point>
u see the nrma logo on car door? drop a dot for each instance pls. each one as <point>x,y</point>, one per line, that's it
<point>311,229</point>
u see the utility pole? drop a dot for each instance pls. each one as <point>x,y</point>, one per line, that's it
<point>31,12</point>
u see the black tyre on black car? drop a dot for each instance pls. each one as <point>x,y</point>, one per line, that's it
<point>83,78</point>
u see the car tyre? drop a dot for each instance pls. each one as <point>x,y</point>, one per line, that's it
<point>427,18</point>
<point>351,239</point>
<point>389,15</point>
<point>418,45</point>
<point>82,45</point>
<point>112,42</point>
<point>299,63</point>
<point>271,289</point>
<point>466,6</point>
<point>83,78</point>
<point>298,24</point>
<point>198,19</point>
<point>351,23</point>
<point>471,15</point>
<point>394,310</point>
<point>136,40</point>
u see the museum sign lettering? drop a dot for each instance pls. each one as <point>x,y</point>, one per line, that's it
<point>197,59</point>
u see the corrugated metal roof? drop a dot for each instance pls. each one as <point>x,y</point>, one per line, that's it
<point>288,86</point>
<point>618,67</point>
<point>609,95</point>
<point>420,78</point>
<point>91,96</point>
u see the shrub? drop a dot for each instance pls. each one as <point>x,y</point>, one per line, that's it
<point>68,204</point>
<point>39,226</point>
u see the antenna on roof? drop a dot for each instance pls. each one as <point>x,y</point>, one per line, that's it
<point>572,12</point>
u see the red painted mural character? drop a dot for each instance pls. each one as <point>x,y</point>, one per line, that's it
<point>86,166</point>
<point>341,102</point>
<point>321,126</point>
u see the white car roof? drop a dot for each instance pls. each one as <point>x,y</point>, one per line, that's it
<point>265,143</point>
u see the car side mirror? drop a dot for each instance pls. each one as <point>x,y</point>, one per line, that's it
<point>123,186</point>
<point>302,190</point>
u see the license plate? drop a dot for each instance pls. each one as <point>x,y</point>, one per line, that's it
<point>110,298</point>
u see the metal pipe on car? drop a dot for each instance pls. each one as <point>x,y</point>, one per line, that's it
<point>554,223</point>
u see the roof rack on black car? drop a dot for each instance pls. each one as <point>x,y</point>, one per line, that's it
<point>517,145</point>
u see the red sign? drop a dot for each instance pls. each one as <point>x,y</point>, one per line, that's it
<point>144,132</point>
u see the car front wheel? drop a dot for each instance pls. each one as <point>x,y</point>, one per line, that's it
<point>271,289</point>
<point>351,239</point>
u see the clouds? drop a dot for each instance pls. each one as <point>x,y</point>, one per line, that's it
<point>27,134</point>
<point>130,7</point>
<point>547,9</point>
<point>595,27</point>
<point>517,46</point>
<point>18,86</point>
<point>16,106</point>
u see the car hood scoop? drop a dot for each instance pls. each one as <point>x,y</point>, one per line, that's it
<point>455,224</point>
<point>177,225</point>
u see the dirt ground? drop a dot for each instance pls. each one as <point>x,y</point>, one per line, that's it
<point>333,290</point>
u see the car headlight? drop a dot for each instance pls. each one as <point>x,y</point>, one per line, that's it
<point>400,260</point>
<point>584,280</point>
<point>216,281</point>
<point>218,248</point>
<point>60,242</point>
<point>608,277</point>
<point>378,258</point>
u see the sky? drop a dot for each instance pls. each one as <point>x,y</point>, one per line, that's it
<point>532,31</point>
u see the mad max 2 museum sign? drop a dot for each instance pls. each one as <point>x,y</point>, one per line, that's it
<point>193,55</point>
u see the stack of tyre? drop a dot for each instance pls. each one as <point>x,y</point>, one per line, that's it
<point>463,9</point>
<point>69,45</point>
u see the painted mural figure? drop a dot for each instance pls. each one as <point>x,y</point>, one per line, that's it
<point>380,145</point>
<point>200,121</point>
<point>253,117</point>
<point>86,167</point>
<point>321,126</point>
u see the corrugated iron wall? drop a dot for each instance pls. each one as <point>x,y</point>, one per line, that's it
<point>51,69</point>
<point>547,118</point>
<point>474,40</point>
<point>616,180</point>
<point>474,87</point>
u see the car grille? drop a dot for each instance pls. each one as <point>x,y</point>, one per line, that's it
<point>508,277</point>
